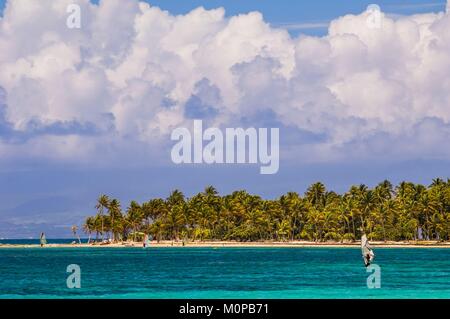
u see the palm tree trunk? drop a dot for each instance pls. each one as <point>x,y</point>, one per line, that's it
<point>103,237</point>
<point>293,229</point>
<point>112,228</point>
<point>354,228</point>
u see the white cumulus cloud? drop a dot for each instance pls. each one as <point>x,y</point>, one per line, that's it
<point>133,72</point>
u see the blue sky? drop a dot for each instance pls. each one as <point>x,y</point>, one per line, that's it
<point>287,12</point>
<point>300,13</point>
<point>54,167</point>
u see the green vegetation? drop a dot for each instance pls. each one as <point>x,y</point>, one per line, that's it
<point>384,213</point>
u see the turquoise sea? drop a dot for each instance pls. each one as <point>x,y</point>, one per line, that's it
<point>223,273</point>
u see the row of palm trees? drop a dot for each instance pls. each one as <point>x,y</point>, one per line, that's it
<point>405,212</point>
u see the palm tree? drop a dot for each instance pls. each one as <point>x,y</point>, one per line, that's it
<point>316,195</point>
<point>74,231</point>
<point>115,214</point>
<point>174,221</point>
<point>367,205</point>
<point>437,182</point>
<point>295,210</point>
<point>88,227</point>
<point>102,204</point>
<point>384,213</point>
<point>176,197</point>
<point>134,217</point>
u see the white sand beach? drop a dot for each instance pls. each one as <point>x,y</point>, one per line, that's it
<point>217,244</point>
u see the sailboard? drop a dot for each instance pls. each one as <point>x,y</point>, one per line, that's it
<point>367,252</point>
<point>43,240</point>
<point>146,241</point>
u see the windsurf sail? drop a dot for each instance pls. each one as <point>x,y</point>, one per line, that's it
<point>367,252</point>
<point>146,241</point>
<point>43,240</point>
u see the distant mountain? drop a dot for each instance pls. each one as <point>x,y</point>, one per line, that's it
<point>52,215</point>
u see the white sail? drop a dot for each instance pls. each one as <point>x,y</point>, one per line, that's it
<point>43,240</point>
<point>367,252</point>
<point>146,241</point>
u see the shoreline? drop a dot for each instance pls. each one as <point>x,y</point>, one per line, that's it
<point>231,244</point>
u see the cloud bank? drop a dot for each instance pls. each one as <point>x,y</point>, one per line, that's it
<point>118,86</point>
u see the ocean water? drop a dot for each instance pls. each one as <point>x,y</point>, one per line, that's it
<point>223,273</point>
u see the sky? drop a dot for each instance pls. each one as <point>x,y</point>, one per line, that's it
<point>301,16</point>
<point>90,111</point>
